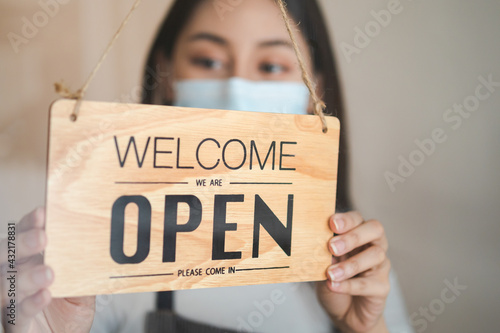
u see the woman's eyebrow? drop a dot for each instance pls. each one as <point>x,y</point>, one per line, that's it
<point>221,41</point>
<point>276,42</point>
<point>208,36</point>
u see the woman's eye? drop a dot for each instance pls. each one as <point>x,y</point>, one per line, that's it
<point>207,63</point>
<point>272,68</point>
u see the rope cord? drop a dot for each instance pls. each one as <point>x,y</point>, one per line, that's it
<point>319,105</point>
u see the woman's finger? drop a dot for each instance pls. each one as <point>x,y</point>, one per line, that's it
<point>29,282</point>
<point>35,219</point>
<point>361,286</point>
<point>26,264</point>
<point>31,306</point>
<point>381,270</point>
<point>368,232</point>
<point>343,222</point>
<point>372,257</point>
<point>29,238</point>
<point>27,244</point>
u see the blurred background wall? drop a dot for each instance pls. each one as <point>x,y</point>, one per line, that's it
<point>427,171</point>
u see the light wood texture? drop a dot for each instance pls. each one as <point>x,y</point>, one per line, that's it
<point>86,178</point>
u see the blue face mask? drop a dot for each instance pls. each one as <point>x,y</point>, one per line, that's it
<point>243,95</point>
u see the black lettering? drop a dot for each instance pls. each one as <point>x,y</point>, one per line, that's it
<point>171,228</point>
<point>131,141</point>
<point>253,148</point>
<point>216,182</point>
<point>198,154</point>
<point>220,227</point>
<point>118,229</point>
<point>160,152</point>
<point>285,155</point>
<point>179,156</point>
<point>264,216</point>
<point>244,154</point>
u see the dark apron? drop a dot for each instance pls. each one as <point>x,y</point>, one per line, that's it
<point>165,320</point>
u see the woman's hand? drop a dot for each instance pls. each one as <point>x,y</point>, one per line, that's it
<point>357,284</point>
<point>36,310</point>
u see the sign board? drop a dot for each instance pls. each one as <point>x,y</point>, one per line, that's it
<point>148,198</point>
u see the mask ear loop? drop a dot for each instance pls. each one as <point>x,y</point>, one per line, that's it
<point>319,105</point>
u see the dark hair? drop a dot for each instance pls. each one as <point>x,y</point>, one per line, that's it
<point>311,24</point>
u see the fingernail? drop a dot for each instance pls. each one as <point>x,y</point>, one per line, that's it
<point>49,274</point>
<point>33,239</point>
<point>339,223</point>
<point>337,246</point>
<point>336,273</point>
<point>42,276</point>
<point>335,284</point>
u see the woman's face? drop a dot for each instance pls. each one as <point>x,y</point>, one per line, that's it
<point>250,41</point>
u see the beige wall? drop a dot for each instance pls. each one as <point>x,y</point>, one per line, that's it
<point>442,222</point>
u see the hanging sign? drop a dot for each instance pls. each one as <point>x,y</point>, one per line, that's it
<point>149,198</point>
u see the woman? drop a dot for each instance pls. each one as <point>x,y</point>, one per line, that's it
<point>220,55</point>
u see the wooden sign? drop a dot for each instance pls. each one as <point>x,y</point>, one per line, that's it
<point>148,198</point>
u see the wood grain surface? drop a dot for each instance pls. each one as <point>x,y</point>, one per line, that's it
<point>95,187</point>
